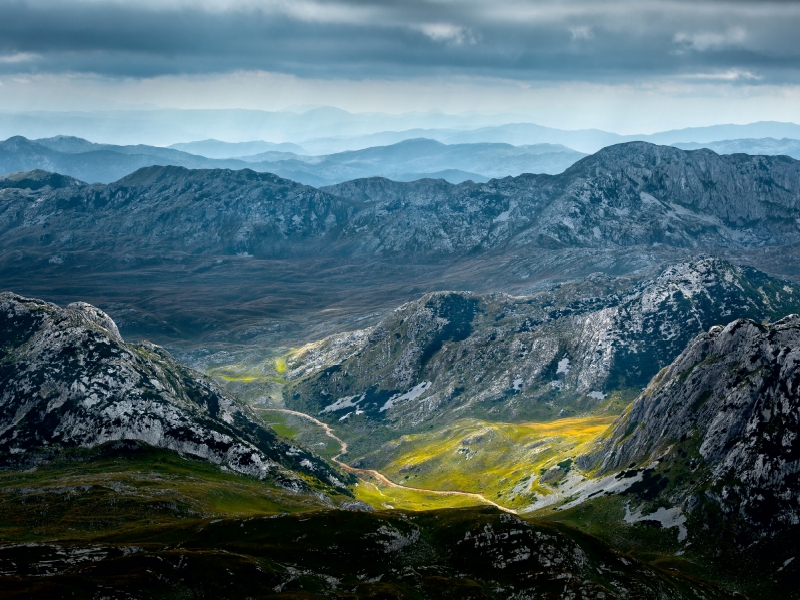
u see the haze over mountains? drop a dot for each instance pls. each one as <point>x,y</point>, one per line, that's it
<point>769,146</point>
<point>408,160</point>
<point>327,130</point>
<point>574,298</point>
<point>521,323</point>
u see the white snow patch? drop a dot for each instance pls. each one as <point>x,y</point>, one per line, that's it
<point>786,564</point>
<point>597,233</point>
<point>346,402</point>
<point>563,366</point>
<point>411,394</point>
<point>503,216</point>
<point>596,395</point>
<point>667,517</point>
<point>517,384</point>
<point>578,490</point>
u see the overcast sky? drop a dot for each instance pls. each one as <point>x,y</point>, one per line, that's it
<point>617,64</point>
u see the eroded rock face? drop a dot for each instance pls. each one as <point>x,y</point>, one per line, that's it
<point>67,379</point>
<point>455,354</point>
<point>735,393</point>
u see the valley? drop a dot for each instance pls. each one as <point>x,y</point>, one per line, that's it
<point>422,365</point>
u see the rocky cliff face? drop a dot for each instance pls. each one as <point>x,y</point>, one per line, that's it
<point>566,350</point>
<point>67,379</point>
<point>732,397</point>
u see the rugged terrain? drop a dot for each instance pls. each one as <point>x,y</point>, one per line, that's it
<point>733,396</point>
<point>123,468</point>
<point>175,254</point>
<point>67,380</point>
<point>703,465</point>
<point>572,349</point>
<point>467,553</point>
<point>624,195</point>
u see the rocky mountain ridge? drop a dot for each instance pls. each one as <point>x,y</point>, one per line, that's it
<point>624,195</point>
<point>560,352</point>
<point>732,396</point>
<point>67,379</point>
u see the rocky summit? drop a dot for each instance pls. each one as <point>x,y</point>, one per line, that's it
<point>68,380</point>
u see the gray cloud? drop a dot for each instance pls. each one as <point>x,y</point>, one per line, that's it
<point>615,41</point>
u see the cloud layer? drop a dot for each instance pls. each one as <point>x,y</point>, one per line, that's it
<point>618,41</point>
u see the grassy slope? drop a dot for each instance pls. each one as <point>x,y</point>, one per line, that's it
<point>85,492</point>
<point>340,554</point>
<point>504,461</point>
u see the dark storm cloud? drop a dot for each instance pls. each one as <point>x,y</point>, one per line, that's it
<point>613,41</point>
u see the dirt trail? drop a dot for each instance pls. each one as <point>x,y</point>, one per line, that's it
<point>380,476</point>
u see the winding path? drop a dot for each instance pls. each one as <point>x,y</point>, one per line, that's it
<point>380,476</point>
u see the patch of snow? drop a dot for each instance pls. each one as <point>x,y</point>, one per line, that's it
<point>597,233</point>
<point>597,395</point>
<point>346,402</point>
<point>578,490</point>
<point>411,394</point>
<point>503,216</point>
<point>563,366</point>
<point>667,517</point>
<point>517,384</point>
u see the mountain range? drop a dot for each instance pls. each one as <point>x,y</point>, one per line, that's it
<point>656,194</point>
<point>768,146</point>
<point>569,385</point>
<point>573,348</point>
<point>408,160</point>
<point>627,209</point>
<point>329,130</point>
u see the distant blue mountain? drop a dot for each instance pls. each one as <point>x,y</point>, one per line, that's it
<point>764,146</point>
<point>405,161</point>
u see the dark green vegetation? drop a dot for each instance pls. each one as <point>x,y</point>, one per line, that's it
<point>143,523</point>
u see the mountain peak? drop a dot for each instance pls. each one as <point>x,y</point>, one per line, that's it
<point>38,179</point>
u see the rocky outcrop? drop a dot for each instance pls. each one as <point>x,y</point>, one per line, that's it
<point>555,353</point>
<point>67,379</point>
<point>734,396</point>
